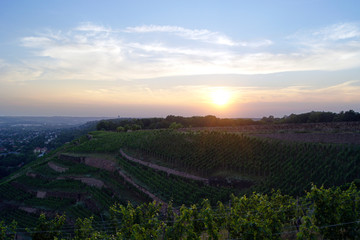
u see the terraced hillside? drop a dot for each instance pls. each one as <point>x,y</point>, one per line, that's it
<point>81,183</point>
<point>238,158</point>
<point>88,175</point>
<point>62,185</point>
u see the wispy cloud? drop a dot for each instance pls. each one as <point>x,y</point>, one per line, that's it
<point>341,93</point>
<point>339,31</point>
<point>336,35</point>
<point>3,63</point>
<point>345,92</point>
<point>198,35</point>
<point>193,34</point>
<point>90,27</point>
<point>256,44</point>
<point>37,42</point>
<point>95,52</point>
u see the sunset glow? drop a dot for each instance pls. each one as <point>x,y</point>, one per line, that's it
<point>220,97</point>
<point>247,60</point>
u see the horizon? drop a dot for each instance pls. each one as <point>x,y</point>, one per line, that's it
<point>125,117</point>
<point>143,59</point>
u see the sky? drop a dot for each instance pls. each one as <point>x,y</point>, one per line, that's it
<point>190,58</point>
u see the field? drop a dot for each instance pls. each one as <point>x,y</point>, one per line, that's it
<point>247,154</point>
<point>90,174</point>
<point>336,132</point>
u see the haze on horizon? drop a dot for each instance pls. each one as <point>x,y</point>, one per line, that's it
<point>156,58</point>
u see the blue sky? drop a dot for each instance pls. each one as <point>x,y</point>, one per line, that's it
<point>155,58</point>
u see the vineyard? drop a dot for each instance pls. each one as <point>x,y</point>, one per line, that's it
<point>321,214</point>
<point>172,188</point>
<point>288,166</point>
<point>43,190</point>
<point>87,176</point>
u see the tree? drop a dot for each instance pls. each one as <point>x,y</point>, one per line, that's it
<point>7,232</point>
<point>120,129</point>
<point>175,125</point>
<point>135,127</point>
<point>84,228</point>
<point>47,229</point>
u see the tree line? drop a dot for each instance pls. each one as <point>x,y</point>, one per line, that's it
<point>171,121</point>
<point>315,117</point>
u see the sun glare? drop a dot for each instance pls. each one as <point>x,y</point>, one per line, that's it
<point>220,97</point>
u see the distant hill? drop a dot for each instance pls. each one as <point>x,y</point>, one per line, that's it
<point>172,121</point>
<point>54,122</point>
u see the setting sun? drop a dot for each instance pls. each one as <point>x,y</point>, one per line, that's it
<point>220,97</point>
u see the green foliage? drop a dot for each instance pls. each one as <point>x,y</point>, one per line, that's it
<point>23,219</point>
<point>102,142</point>
<point>7,232</point>
<point>47,229</point>
<point>339,209</point>
<point>8,192</point>
<point>212,121</point>
<point>186,224</point>
<point>308,231</point>
<point>49,202</point>
<point>174,188</point>
<point>135,127</point>
<point>315,117</point>
<point>209,220</point>
<point>259,216</point>
<point>324,213</point>
<point>120,129</point>
<point>175,125</point>
<point>140,222</point>
<point>158,123</point>
<point>84,228</point>
<point>208,153</point>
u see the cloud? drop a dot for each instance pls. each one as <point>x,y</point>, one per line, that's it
<point>256,44</point>
<point>341,93</point>
<point>3,63</point>
<point>339,31</point>
<point>196,34</point>
<point>332,36</point>
<point>193,34</point>
<point>98,53</point>
<point>36,42</point>
<point>90,27</point>
<point>346,92</point>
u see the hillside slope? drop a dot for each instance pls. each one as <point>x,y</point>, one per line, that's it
<point>88,175</point>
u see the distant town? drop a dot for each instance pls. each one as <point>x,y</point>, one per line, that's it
<point>22,139</point>
<point>16,141</point>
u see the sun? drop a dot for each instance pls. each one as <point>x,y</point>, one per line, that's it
<point>220,97</point>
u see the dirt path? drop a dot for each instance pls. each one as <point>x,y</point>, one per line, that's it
<point>164,169</point>
<point>109,165</point>
<point>92,182</point>
<point>105,164</point>
<point>152,196</point>
<point>57,168</point>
